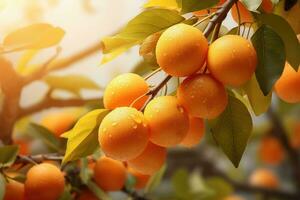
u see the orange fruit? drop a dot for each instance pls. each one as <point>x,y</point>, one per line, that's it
<point>23,146</point>
<point>232,60</point>
<point>267,6</point>
<point>141,180</point>
<point>59,122</point>
<point>287,87</point>
<point>181,50</point>
<point>195,133</point>
<point>245,14</point>
<point>167,120</point>
<point>44,181</point>
<point>150,161</point>
<point>270,150</point>
<point>202,96</point>
<point>124,89</point>
<point>109,174</point>
<point>14,190</point>
<point>264,178</point>
<point>123,133</point>
<point>87,195</point>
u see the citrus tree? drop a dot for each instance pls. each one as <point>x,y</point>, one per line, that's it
<point>196,79</point>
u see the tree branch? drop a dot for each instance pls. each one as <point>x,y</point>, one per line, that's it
<point>219,16</point>
<point>61,64</point>
<point>38,158</point>
<point>49,102</point>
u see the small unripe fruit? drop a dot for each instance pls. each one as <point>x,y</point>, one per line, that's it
<point>109,174</point>
<point>14,190</point>
<point>150,161</point>
<point>124,89</point>
<point>202,96</point>
<point>181,50</point>
<point>123,133</point>
<point>287,87</point>
<point>44,181</point>
<point>232,60</point>
<point>264,178</point>
<point>168,121</point>
<point>195,133</point>
<point>141,180</point>
<point>271,150</point>
<point>58,123</point>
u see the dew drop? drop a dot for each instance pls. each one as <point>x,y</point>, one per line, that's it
<point>137,120</point>
<point>114,124</point>
<point>180,109</point>
<point>135,126</point>
<point>104,130</point>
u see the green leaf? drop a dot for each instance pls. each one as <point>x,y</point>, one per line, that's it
<point>98,191</point>
<point>259,102</point>
<point>194,5</point>
<point>155,180</point>
<point>8,155</point>
<point>130,182</point>
<point>84,172</point>
<point>232,129</point>
<point>220,187</point>
<point>285,31</point>
<point>251,5</point>
<point>71,83</point>
<point>233,31</point>
<point>146,23</point>
<point>2,186</point>
<point>45,135</point>
<point>36,36</point>
<point>180,182</point>
<point>83,138</point>
<point>66,195</point>
<point>271,57</point>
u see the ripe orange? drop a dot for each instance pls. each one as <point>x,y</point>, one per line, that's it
<point>109,174</point>
<point>202,96</point>
<point>59,123</point>
<point>150,161</point>
<point>44,181</point>
<point>181,50</point>
<point>232,60</point>
<point>87,195</point>
<point>267,6</point>
<point>14,190</point>
<point>287,87</point>
<point>195,133</point>
<point>245,14</point>
<point>141,179</point>
<point>264,178</point>
<point>270,150</point>
<point>23,146</point>
<point>168,121</point>
<point>124,89</point>
<point>123,133</point>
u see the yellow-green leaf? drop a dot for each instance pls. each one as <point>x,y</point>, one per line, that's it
<point>8,155</point>
<point>259,102</point>
<point>169,4</point>
<point>26,57</point>
<point>36,36</point>
<point>2,186</point>
<point>71,83</point>
<point>155,180</point>
<point>83,138</point>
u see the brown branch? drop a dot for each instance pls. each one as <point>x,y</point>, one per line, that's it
<point>134,195</point>
<point>49,102</point>
<point>38,158</point>
<point>280,133</point>
<point>219,16</point>
<point>62,63</point>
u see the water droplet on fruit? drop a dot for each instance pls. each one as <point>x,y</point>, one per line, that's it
<point>180,109</point>
<point>104,130</point>
<point>135,126</point>
<point>137,120</point>
<point>114,124</point>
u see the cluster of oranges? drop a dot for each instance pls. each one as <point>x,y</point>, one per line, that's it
<point>140,139</point>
